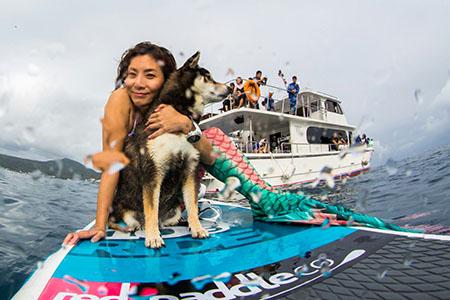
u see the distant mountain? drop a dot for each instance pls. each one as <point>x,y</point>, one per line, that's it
<point>63,168</point>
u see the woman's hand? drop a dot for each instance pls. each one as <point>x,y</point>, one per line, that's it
<point>165,119</point>
<point>94,234</point>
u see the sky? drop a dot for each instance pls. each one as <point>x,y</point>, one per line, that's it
<point>387,61</point>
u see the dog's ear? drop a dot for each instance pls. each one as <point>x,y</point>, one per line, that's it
<point>192,62</point>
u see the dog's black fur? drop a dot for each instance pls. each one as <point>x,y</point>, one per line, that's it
<point>180,91</point>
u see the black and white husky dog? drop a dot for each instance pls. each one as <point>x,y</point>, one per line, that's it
<point>162,175</point>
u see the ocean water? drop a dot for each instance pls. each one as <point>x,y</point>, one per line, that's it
<point>37,212</point>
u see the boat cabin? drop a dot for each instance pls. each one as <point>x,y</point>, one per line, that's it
<point>318,126</point>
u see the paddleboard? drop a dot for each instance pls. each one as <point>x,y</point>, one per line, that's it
<point>244,258</point>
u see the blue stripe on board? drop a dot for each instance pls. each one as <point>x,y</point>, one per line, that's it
<point>245,246</point>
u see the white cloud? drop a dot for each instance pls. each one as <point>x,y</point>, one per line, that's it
<point>57,71</point>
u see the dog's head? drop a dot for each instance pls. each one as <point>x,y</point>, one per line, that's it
<point>192,87</point>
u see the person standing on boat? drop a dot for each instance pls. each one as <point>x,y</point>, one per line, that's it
<point>252,92</point>
<point>269,103</point>
<point>239,93</point>
<point>293,89</point>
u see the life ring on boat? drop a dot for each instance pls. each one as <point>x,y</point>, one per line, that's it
<point>252,91</point>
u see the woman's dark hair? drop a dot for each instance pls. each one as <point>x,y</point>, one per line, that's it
<point>163,56</point>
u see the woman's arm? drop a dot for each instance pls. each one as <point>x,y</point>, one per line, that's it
<point>167,119</point>
<point>114,130</point>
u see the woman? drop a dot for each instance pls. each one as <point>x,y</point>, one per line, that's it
<point>140,76</point>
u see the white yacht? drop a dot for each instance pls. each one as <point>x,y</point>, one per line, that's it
<point>286,149</point>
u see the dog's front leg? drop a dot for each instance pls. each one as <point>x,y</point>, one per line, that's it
<point>191,202</point>
<point>151,210</point>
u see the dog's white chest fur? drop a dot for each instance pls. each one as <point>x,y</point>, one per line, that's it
<point>167,146</point>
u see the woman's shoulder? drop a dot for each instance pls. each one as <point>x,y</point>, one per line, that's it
<point>118,100</point>
<point>118,109</point>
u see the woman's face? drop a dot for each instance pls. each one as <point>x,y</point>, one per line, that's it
<point>144,80</point>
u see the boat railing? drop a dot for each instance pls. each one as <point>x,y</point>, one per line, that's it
<point>307,148</point>
<point>286,147</point>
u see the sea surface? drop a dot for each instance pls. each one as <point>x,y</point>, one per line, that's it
<point>36,212</point>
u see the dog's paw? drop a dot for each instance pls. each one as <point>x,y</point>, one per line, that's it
<point>154,242</point>
<point>199,233</point>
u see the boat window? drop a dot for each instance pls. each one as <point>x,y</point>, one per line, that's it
<point>333,107</point>
<point>318,135</point>
<point>314,106</point>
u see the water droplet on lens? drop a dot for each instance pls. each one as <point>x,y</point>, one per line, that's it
<point>322,256</point>
<point>418,96</point>
<point>256,196</point>
<point>325,224</point>
<point>301,270</point>
<point>250,282</point>
<point>391,167</point>
<point>4,105</point>
<point>36,174</point>
<point>181,53</point>
<point>231,184</point>
<point>381,273</point>
<point>201,281</point>
<point>230,72</point>
<point>40,264</point>
<point>115,167</point>
<point>407,260</point>
<point>175,278</point>
<point>33,70</point>
<point>408,173</point>
<point>102,290</point>
<point>349,221</point>
<point>133,290</point>
<point>224,277</point>
<point>188,93</point>
<point>28,134</point>
<point>325,270</point>
<point>113,144</point>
